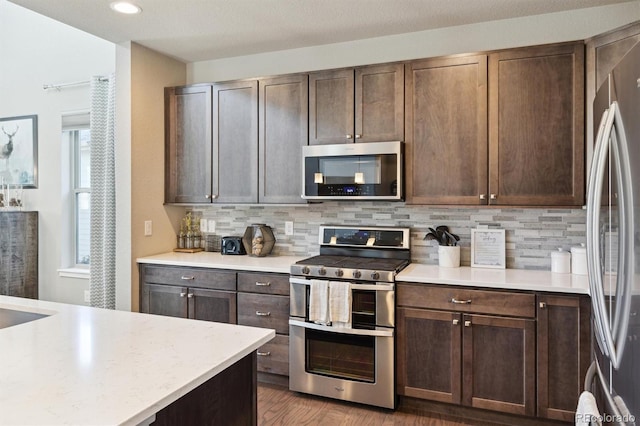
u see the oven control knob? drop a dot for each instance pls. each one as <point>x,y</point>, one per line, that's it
<point>339,273</point>
<point>322,271</point>
<point>305,270</point>
<point>375,275</point>
<point>357,274</point>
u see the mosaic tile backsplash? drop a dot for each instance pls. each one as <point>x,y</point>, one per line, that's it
<point>531,234</point>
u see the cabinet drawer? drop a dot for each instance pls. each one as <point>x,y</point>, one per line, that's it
<point>253,282</point>
<point>190,277</point>
<point>273,357</point>
<point>264,310</point>
<point>470,300</point>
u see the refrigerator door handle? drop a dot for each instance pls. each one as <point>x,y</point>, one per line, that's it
<point>596,178</point>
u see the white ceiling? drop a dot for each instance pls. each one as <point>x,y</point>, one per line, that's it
<point>196,30</point>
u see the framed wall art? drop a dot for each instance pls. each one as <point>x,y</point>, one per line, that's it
<point>488,248</point>
<point>19,151</point>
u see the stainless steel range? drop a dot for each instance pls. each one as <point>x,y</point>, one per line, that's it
<point>352,360</point>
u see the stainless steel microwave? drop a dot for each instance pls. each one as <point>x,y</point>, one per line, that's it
<point>354,171</point>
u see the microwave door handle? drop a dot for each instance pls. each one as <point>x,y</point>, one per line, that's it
<point>594,194</point>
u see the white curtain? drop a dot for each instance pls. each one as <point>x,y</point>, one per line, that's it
<point>103,193</point>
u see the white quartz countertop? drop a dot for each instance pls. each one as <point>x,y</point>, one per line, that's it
<point>508,279</point>
<point>280,264</point>
<point>89,366</point>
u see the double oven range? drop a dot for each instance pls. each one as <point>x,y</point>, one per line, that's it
<point>354,362</point>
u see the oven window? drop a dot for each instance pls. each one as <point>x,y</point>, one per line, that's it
<point>339,355</point>
<point>363,308</point>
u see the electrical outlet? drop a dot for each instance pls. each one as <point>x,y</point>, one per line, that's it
<point>288,228</point>
<point>203,225</point>
<point>87,296</point>
<point>148,228</point>
<point>211,225</point>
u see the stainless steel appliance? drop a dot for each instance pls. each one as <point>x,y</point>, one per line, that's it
<point>355,171</point>
<point>353,362</point>
<point>613,244</point>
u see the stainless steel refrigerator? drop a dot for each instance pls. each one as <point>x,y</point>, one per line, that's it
<point>613,244</point>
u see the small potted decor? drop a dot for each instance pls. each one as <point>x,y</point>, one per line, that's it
<point>448,248</point>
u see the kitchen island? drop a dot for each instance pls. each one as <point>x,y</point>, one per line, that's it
<point>79,365</point>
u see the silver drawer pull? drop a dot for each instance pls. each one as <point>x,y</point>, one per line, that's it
<point>460,302</point>
<point>263,353</point>
<point>188,277</point>
<point>263,314</point>
<point>260,284</point>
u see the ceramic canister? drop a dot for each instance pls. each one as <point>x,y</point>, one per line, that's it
<point>561,261</point>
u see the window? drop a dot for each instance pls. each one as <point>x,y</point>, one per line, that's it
<point>77,136</point>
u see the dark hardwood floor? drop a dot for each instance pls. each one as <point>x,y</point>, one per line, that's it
<point>279,406</point>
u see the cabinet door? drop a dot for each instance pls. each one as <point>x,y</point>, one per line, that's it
<point>446,131</point>
<point>536,126</point>
<point>235,142</point>
<point>498,371</point>
<point>379,103</point>
<point>212,305</point>
<point>331,107</point>
<point>429,354</point>
<point>188,158</point>
<point>563,353</point>
<point>165,300</point>
<point>283,123</point>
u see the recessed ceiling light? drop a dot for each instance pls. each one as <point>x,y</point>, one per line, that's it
<point>125,7</point>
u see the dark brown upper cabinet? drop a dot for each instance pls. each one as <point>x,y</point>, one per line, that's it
<point>188,133</point>
<point>283,131</point>
<point>364,104</point>
<point>235,142</point>
<point>536,126</point>
<point>446,130</point>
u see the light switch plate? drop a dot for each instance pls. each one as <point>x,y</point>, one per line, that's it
<point>148,228</point>
<point>203,225</point>
<point>87,296</point>
<point>288,228</point>
<point>211,226</point>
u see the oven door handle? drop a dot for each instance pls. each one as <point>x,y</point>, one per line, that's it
<point>355,331</point>
<point>376,287</point>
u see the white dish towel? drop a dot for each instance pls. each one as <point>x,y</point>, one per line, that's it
<point>587,412</point>
<point>318,302</point>
<point>340,304</point>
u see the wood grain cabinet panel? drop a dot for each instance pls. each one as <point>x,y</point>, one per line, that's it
<point>446,131</point>
<point>536,126</point>
<point>262,310</point>
<point>273,357</point>
<point>19,254</point>
<point>188,132</point>
<point>283,131</point>
<point>235,142</point>
<point>364,104</point>
<point>260,282</point>
<point>564,336</point>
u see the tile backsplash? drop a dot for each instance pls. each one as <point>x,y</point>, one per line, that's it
<point>531,234</point>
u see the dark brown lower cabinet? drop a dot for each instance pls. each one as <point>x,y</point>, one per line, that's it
<point>476,360</point>
<point>194,303</point>
<point>564,332</point>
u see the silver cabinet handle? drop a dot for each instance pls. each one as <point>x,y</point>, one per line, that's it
<point>348,136</point>
<point>189,295</point>
<point>467,323</point>
<point>460,302</point>
<point>183,294</point>
<point>263,314</point>
<point>207,196</point>
<point>483,196</point>
<point>263,353</point>
<point>213,197</point>
<point>358,136</point>
<point>262,284</point>
<point>543,305</point>
<point>493,196</point>
<point>188,277</point>
<point>455,322</point>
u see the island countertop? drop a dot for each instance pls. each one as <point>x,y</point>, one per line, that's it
<point>82,365</point>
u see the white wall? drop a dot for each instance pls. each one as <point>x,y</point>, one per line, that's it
<point>541,29</point>
<point>35,50</point>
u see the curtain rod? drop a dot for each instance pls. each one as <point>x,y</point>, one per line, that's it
<point>75,83</point>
